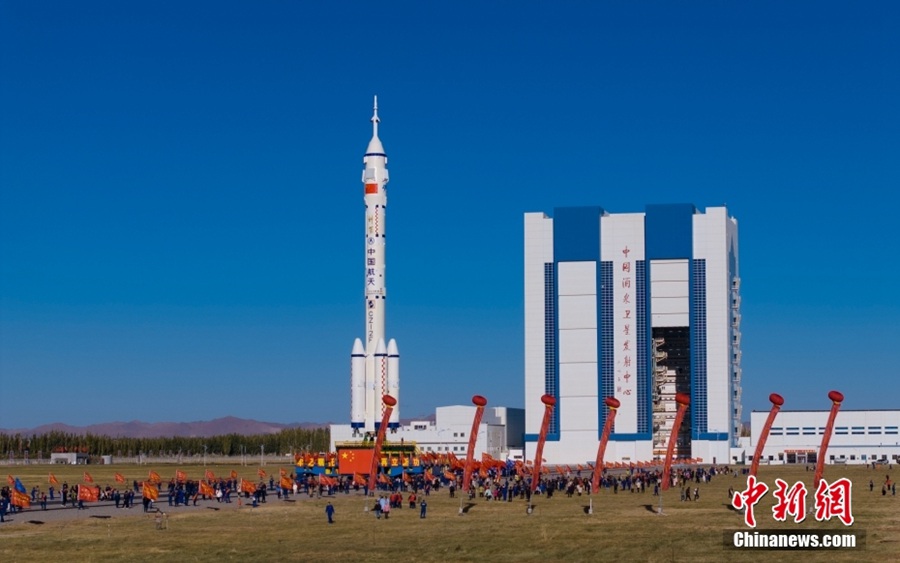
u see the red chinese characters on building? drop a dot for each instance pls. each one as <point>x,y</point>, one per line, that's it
<point>624,385</point>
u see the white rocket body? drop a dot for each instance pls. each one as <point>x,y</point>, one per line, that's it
<point>377,374</point>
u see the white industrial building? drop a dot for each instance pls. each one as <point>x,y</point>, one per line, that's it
<point>637,306</point>
<point>859,437</point>
<point>501,430</point>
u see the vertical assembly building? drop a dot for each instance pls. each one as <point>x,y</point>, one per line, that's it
<point>637,306</point>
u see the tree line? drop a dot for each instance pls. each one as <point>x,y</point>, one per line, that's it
<point>285,442</point>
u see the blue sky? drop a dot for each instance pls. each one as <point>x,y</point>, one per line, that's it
<point>181,215</point>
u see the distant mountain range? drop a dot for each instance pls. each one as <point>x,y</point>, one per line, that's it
<point>138,429</point>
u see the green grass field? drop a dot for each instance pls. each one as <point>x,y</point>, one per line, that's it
<point>623,526</point>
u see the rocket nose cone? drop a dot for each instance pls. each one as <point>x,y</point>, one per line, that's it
<point>392,348</point>
<point>375,146</point>
<point>358,347</point>
<point>380,348</point>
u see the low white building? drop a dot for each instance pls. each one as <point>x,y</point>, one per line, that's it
<point>70,458</point>
<point>860,437</point>
<point>501,429</point>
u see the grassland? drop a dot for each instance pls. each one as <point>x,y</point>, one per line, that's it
<point>623,527</point>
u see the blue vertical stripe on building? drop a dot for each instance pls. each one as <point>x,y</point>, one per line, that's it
<point>607,360</point>
<point>699,411</point>
<point>644,409</point>
<point>551,344</point>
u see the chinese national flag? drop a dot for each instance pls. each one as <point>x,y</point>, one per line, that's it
<point>89,494</point>
<point>19,499</point>
<point>261,473</point>
<point>233,474</point>
<point>206,490</point>
<point>52,479</point>
<point>355,460</point>
<point>88,478</point>
<point>120,478</point>
<point>154,477</point>
<point>248,487</point>
<point>150,491</point>
<point>210,476</point>
<point>180,476</point>
<point>286,482</point>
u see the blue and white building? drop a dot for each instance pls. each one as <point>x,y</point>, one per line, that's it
<point>637,306</point>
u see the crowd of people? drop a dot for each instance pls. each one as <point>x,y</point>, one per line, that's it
<point>494,484</point>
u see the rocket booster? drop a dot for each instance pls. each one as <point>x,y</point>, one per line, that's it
<point>374,369</point>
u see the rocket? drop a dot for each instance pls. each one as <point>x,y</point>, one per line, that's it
<point>374,366</point>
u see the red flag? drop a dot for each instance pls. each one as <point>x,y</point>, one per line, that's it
<point>359,479</point>
<point>89,494</point>
<point>406,478</point>
<point>11,480</point>
<point>382,478</point>
<point>450,476</point>
<point>248,487</point>
<point>286,482</point>
<point>88,478</point>
<point>355,460</point>
<point>150,491</point>
<point>210,476</point>
<point>180,476</point>
<point>282,472</point>
<point>154,477</point>
<point>233,474</point>
<point>206,490</point>
<point>120,478</point>
<point>261,472</point>
<point>429,475</point>
<point>52,479</point>
<point>19,499</point>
